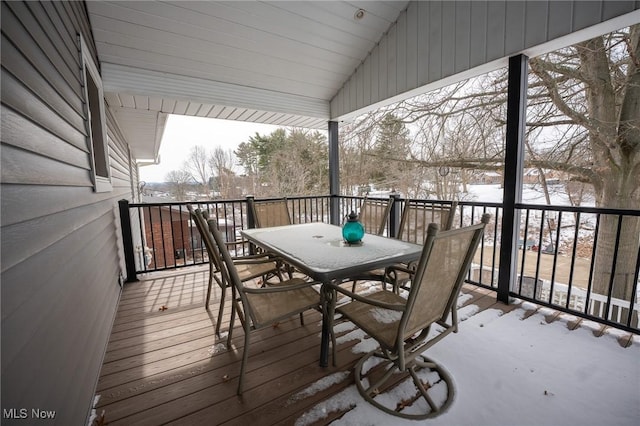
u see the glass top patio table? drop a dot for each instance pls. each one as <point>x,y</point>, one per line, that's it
<point>318,250</point>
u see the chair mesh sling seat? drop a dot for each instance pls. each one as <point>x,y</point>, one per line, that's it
<point>402,326</point>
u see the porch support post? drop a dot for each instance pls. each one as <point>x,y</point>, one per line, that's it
<point>334,173</point>
<point>513,170</point>
<point>127,241</point>
<point>394,215</point>
<point>251,220</point>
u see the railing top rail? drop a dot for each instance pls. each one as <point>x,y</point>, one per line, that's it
<point>522,206</point>
<point>579,209</point>
<point>184,203</point>
<point>220,200</point>
<point>293,197</point>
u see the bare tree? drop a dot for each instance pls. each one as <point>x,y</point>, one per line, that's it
<point>179,181</point>
<point>595,87</point>
<point>197,165</point>
<point>355,166</point>
<point>221,164</point>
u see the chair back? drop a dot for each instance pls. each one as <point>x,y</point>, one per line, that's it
<point>201,224</point>
<point>270,213</point>
<point>225,262</point>
<point>374,214</point>
<point>417,216</point>
<point>444,263</point>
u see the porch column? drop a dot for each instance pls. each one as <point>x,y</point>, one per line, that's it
<point>334,173</point>
<point>513,169</point>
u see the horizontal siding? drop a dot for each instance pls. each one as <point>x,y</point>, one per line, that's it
<point>20,67</point>
<point>61,243</point>
<point>25,167</point>
<point>44,232</point>
<point>25,101</point>
<point>23,28</point>
<point>437,42</point>
<point>59,321</point>
<point>43,142</point>
<point>44,200</point>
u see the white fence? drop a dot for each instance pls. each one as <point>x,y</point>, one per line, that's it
<point>595,304</point>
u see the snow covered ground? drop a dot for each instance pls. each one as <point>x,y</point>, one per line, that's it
<point>512,370</point>
<point>531,194</point>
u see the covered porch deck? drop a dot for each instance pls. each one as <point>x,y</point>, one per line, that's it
<point>164,364</point>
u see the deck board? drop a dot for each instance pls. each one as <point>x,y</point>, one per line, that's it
<point>167,366</point>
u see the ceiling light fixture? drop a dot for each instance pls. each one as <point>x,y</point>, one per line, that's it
<point>359,14</point>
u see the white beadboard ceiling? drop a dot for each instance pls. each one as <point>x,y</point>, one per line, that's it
<point>276,62</point>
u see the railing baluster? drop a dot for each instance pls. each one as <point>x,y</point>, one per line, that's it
<point>153,240</point>
<point>589,305</point>
<point>539,253</point>
<point>143,239</point>
<point>614,264</point>
<point>191,242</point>
<point>574,251</point>
<point>524,256</point>
<point>182,245</point>
<point>554,246</point>
<point>634,291</point>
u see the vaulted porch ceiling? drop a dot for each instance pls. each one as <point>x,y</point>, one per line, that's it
<point>301,63</point>
<point>267,62</point>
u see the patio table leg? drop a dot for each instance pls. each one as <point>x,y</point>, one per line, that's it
<point>326,294</point>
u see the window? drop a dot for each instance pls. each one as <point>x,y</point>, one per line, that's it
<point>96,127</point>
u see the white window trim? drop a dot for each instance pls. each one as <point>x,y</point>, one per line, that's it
<point>100,183</point>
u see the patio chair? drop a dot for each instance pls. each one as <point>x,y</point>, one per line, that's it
<point>414,223</point>
<point>373,214</point>
<point>417,216</point>
<point>270,213</point>
<point>402,326</point>
<point>249,267</point>
<point>261,307</point>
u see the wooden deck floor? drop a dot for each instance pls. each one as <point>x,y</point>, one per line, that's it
<point>165,365</point>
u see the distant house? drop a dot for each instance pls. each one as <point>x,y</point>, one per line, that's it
<point>167,234</point>
<point>491,178</point>
<point>533,176</point>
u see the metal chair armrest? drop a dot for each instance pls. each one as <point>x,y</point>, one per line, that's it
<point>363,299</point>
<point>284,286</point>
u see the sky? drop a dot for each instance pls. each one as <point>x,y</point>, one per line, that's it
<point>183,132</point>
<point>511,369</point>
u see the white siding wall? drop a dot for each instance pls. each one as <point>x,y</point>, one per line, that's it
<point>434,43</point>
<point>61,248</point>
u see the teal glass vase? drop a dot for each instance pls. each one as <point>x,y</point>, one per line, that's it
<point>352,230</point>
